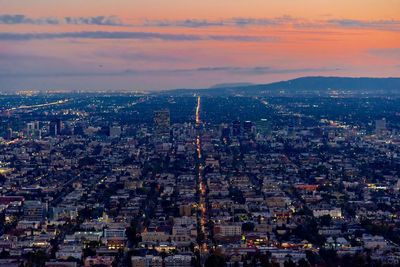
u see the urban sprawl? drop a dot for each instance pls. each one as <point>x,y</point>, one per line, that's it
<point>176,181</point>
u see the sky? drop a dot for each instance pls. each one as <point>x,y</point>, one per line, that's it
<point>160,44</point>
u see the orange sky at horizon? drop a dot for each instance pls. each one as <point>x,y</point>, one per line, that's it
<point>182,9</point>
<point>168,44</point>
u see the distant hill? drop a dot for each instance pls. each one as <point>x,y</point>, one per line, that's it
<point>305,85</point>
<point>339,83</point>
<point>231,85</point>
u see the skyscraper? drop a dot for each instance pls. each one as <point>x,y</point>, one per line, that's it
<point>380,126</point>
<point>33,130</point>
<point>115,131</point>
<point>10,134</point>
<point>236,128</point>
<point>247,127</point>
<point>162,122</point>
<point>225,131</point>
<point>263,126</point>
<point>55,127</point>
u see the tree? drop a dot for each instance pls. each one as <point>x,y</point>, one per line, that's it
<point>37,258</point>
<point>131,234</point>
<point>2,178</point>
<point>248,227</point>
<point>303,263</point>
<point>263,258</point>
<point>237,195</point>
<point>4,254</point>
<point>289,263</point>
<point>89,252</point>
<point>325,220</point>
<point>329,256</point>
<point>311,257</point>
<point>215,261</point>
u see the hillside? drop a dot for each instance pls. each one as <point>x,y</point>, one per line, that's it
<point>306,85</point>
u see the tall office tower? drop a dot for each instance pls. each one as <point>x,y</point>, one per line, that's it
<point>263,127</point>
<point>380,126</point>
<point>115,131</point>
<point>10,134</point>
<point>291,130</point>
<point>397,185</point>
<point>162,122</point>
<point>30,129</point>
<point>236,128</point>
<point>34,210</point>
<point>247,127</point>
<point>55,127</point>
<point>225,131</point>
<point>33,130</point>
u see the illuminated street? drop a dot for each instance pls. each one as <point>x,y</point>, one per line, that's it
<point>202,189</point>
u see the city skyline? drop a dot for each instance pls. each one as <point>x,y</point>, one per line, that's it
<point>154,45</point>
<point>229,133</point>
<point>278,179</point>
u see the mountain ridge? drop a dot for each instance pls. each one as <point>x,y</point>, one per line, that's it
<point>307,84</point>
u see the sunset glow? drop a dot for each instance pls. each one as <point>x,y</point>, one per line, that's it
<point>154,44</point>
